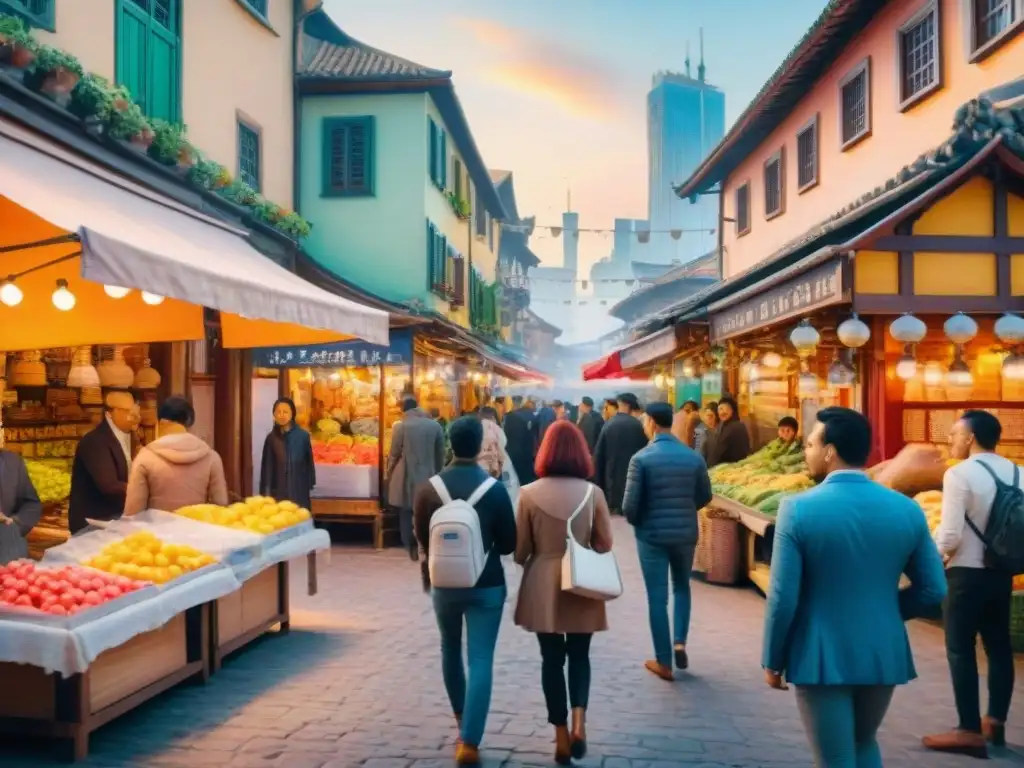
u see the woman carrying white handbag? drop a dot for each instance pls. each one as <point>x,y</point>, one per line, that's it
<point>563,517</point>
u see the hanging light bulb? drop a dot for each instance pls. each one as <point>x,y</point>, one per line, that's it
<point>959,374</point>
<point>933,375</point>
<point>807,384</point>
<point>431,375</point>
<point>63,299</point>
<point>659,380</point>
<point>688,370</point>
<point>153,299</point>
<point>10,294</point>
<point>840,375</point>
<point>1013,367</point>
<point>805,338</point>
<point>772,360</point>
<point>906,368</point>
<point>116,291</point>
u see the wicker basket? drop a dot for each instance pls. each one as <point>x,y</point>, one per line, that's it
<point>724,567</point>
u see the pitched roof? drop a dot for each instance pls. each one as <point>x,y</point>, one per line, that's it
<point>836,26</point>
<point>329,52</point>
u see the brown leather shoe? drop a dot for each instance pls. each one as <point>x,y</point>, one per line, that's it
<point>467,754</point>
<point>659,670</point>
<point>993,731</point>
<point>957,742</point>
<point>458,730</point>
<point>578,736</point>
<point>563,745</point>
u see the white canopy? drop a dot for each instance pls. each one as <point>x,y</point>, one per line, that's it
<point>136,238</point>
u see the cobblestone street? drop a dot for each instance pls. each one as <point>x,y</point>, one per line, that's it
<point>357,682</point>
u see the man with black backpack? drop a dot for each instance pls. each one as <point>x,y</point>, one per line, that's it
<point>981,538</point>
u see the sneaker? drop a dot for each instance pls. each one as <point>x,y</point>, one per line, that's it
<point>957,742</point>
<point>682,660</point>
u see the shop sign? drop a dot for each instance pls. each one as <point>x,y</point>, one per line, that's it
<point>339,354</point>
<point>658,345</point>
<point>816,289</point>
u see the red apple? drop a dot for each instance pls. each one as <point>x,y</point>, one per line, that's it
<point>9,595</point>
<point>24,600</point>
<point>57,609</point>
<point>67,601</point>
<point>93,598</point>
<point>112,591</point>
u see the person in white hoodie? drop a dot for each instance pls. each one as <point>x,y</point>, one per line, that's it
<point>177,469</point>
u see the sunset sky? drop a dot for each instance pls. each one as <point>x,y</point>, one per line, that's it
<point>555,90</point>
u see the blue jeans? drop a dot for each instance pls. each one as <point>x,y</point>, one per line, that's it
<point>656,564</point>
<point>481,609</point>
<point>842,721</point>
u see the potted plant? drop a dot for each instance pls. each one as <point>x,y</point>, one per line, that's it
<point>204,173</point>
<point>91,98</point>
<point>17,46</point>
<point>124,120</point>
<point>459,206</point>
<point>239,193</point>
<point>169,146</point>
<point>54,72</point>
<point>294,225</point>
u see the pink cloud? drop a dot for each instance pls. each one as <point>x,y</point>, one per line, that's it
<point>581,84</point>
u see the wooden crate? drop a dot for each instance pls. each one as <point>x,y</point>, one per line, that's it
<point>120,679</point>
<point>351,512</point>
<point>239,618</point>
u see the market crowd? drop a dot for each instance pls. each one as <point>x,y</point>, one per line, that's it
<point>540,482</point>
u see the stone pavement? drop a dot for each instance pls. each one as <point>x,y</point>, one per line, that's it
<point>357,683</point>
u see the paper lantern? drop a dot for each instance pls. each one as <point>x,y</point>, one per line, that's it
<point>83,373</point>
<point>908,329</point>
<point>960,328</point>
<point>853,332</point>
<point>1009,329</point>
<point>804,337</point>
<point>772,360</point>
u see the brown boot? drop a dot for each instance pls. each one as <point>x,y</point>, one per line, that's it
<point>563,745</point>
<point>993,731</point>
<point>458,730</point>
<point>659,670</point>
<point>467,754</point>
<point>957,742</point>
<point>578,736</point>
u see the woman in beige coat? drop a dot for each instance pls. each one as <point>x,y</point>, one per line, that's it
<point>563,622</point>
<point>177,469</point>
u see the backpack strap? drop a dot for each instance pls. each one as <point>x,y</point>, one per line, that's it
<point>442,490</point>
<point>580,508</point>
<point>995,477</point>
<point>478,494</point>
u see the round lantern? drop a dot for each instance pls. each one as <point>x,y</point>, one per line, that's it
<point>906,368</point>
<point>1009,329</point>
<point>853,332</point>
<point>804,337</point>
<point>772,360</point>
<point>1013,367</point>
<point>960,328</point>
<point>807,384</point>
<point>908,329</point>
<point>933,375</point>
<point>688,370</point>
<point>840,376</point>
<point>959,374</point>
<point>659,381</point>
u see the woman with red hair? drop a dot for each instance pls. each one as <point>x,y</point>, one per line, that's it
<point>563,622</point>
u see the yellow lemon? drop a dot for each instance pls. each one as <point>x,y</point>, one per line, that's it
<point>117,569</point>
<point>174,571</point>
<point>304,514</point>
<point>186,563</point>
<point>161,560</point>
<point>287,505</point>
<point>122,552</point>
<point>130,570</point>
<point>103,562</point>
<point>265,528</point>
<point>146,573</point>
<point>250,520</point>
<point>205,560</point>
<point>143,558</point>
<point>161,575</point>
<point>170,551</point>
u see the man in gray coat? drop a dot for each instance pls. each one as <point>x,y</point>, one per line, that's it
<point>417,454</point>
<point>20,509</point>
<point>666,483</point>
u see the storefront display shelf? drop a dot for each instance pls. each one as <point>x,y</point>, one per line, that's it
<point>118,681</point>
<point>351,512</point>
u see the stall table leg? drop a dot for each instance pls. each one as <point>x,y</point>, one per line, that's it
<point>250,612</point>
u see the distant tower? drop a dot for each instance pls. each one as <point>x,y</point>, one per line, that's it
<point>687,58</point>
<point>700,67</point>
<point>570,236</point>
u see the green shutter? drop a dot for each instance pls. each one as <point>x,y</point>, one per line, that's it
<point>148,55</point>
<point>433,150</point>
<point>35,13</point>
<point>348,154</point>
<point>430,256</point>
<point>443,167</point>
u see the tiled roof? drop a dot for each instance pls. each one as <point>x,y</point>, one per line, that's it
<point>328,52</point>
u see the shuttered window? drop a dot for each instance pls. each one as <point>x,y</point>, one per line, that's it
<point>148,54</point>
<point>480,215</point>
<point>774,186</point>
<point>855,104</point>
<point>807,155</point>
<point>459,268</point>
<point>743,209</point>
<point>249,155</point>
<point>438,155</point>
<point>437,262</point>
<point>35,13</point>
<point>348,156</point>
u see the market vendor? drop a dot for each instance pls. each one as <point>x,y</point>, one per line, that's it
<point>99,476</point>
<point>788,429</point>
<point>20,509</point>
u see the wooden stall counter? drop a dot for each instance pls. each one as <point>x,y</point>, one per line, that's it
<point>250,612</point>
<point>119,680</point>
<point>351,512</point>
<point>756,531</point>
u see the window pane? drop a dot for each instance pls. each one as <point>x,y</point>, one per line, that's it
<point>855,107</point>
<point>773,187</point>
<point>807,156</point>
<point>918,53</point>
<point>992,17</point>
<point>249,156</point>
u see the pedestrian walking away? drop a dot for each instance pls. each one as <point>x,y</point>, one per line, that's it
<point>520,429</point>
<point>834,618</point>
<point>667,483</point>
<point>980,591</point>
<point>417,453</point>
<point>563,622</point>
<point>478,607</point>
<point>621,437</point>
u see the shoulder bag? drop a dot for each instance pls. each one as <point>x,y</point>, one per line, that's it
<point>585,572</point>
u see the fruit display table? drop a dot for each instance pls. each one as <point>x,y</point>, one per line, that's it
<point>70,708</point>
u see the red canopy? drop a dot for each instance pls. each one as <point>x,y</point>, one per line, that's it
<point>607,367</point>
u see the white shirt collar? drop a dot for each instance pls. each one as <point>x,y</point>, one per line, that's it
<point>124,438</point>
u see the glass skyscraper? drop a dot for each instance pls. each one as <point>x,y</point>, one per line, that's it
<point>685,120</point>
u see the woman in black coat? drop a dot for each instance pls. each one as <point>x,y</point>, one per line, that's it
<point>730,441</point>
<point>287,472</point>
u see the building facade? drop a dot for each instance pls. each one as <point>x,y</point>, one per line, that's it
<point>685,121</point>
<point>221,67</point>
<point>401,201</point>
<point>851,128</point>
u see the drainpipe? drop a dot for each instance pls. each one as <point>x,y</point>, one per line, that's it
<point>300,15</point>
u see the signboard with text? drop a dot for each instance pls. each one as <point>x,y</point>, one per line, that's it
<point>654,346</point>
<point>818,288</point>
<point>338,355</point>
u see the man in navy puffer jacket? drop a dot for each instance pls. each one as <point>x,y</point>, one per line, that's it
<point>666,484</point>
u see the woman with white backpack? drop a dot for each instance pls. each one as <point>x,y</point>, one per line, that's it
<point>465,523</point>
<point>564,543</point>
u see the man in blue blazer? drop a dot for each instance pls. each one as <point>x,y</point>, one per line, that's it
<point>834,619</point>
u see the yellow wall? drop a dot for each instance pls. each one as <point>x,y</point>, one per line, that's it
<point>1016,211</point>
<point>231,66</point>
<point>897,137</point>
